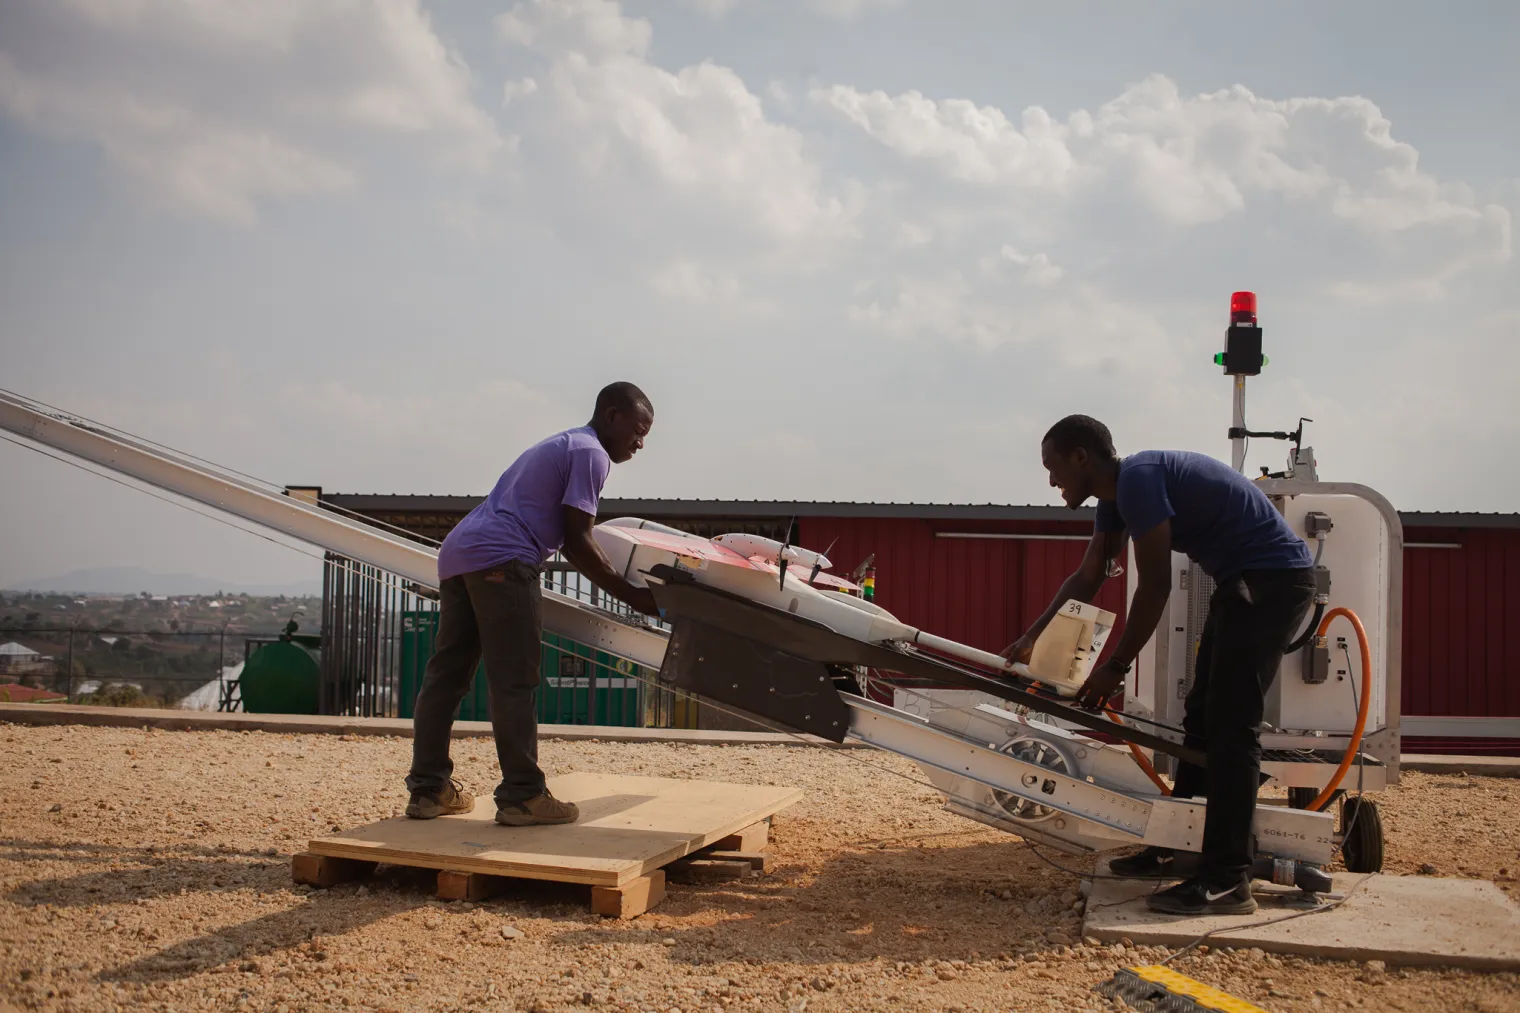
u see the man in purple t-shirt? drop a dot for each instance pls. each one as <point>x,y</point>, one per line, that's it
<point>490,605</point>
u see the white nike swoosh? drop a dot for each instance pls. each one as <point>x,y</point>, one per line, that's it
<point>1211,896</point>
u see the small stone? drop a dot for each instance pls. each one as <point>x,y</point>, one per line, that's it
<point>1376,966</point>
<point>57,807</point>
<point>1428,870</point>
<point>945,973</point>
<point>668,941</point>
<point>512,932</point>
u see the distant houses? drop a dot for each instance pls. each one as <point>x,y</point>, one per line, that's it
<point>18,659</point>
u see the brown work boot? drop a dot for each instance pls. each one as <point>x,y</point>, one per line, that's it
<point>451,800</point>
<point>539,810</point>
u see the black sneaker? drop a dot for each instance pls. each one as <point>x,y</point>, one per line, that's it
<point>1148,863</point>
<point>1198,896</point>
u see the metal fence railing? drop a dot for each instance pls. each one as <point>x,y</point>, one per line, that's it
<point>378,634</point>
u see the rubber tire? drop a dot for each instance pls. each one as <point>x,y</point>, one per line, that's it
<point>1362,850</point>
<point>1299,798</point>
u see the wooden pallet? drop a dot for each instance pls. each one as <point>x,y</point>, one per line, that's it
<point>630,831</point>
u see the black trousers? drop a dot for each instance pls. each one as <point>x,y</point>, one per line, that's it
<point>1251,620</point>
<point>497,614</point>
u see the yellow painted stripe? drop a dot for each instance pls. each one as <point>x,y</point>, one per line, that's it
<point>1205,996</point>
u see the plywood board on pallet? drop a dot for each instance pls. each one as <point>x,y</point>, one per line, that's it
<point>629,826</point>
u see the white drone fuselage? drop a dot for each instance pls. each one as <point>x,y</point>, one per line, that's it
<point>749,566</point>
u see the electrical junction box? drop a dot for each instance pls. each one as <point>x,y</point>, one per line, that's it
<point>1242,350</point>
<point>1316,663</point>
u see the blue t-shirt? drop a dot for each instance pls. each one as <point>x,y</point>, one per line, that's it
<point>521,521</point>
<point>1219,517</point>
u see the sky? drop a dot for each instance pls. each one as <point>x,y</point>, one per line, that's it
<point>853,249</point>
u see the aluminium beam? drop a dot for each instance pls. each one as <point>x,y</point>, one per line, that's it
<point>355,539</point>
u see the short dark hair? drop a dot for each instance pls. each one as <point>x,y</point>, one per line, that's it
<point>623,396</point>
<point>1081,431</point>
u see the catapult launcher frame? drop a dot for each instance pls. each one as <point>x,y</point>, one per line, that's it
<point>1012,764</point>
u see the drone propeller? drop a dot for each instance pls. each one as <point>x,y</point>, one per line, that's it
<point>781,560</point>
<point>818,562</point>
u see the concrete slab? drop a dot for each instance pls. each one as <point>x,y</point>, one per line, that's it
<point>1406,920</point>
<point>1478,766</point>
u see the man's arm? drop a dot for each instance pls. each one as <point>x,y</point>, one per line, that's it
<point>587,557</point>
<point>1153,569</point>
<point>1082,585</point>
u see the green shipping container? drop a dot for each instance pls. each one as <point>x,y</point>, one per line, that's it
<point>579,686</point>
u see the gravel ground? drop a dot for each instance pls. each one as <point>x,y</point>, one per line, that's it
<point>150,870</point>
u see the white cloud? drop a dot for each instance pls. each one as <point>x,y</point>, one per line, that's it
<point>841,10</point>
<point>1189,160</point>
<point>968,142</point>
<point>695,141</point>
<point>1040,273</point>
<point>909,286</point>
<point>514,90</point>
<point>215,106</point>
<point>689,281</point>
<point>713,8</point>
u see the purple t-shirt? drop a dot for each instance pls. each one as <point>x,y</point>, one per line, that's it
<point>521,521</point>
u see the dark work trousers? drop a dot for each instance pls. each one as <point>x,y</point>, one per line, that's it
<point>498,614</point>
<point>1251,620</point>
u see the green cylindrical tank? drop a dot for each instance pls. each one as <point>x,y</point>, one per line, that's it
<point>280,678</point>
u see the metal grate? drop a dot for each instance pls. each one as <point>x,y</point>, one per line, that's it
<point>377,638</point>
<point>362,608</point>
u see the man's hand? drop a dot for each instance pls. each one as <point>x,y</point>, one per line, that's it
<point>642,599</point>
<point>1105,680</point>
<point>1021,650</point>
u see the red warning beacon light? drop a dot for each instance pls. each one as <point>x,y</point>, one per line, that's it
<point>1243,308</point>
<point>1242,343</point>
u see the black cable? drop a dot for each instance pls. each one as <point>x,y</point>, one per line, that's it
<point>1308,634</point>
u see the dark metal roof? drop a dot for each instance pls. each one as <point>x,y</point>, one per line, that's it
<point>367,502</point>
<point>1448,519</point>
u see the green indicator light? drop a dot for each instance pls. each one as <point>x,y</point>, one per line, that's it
<point>1219,358</point>
<point>1265,361</point>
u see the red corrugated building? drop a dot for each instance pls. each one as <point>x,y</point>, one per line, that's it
<point>980,574</point>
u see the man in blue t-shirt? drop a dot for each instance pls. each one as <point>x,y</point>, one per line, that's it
<point>490,605</point>
<point>1167,500</point>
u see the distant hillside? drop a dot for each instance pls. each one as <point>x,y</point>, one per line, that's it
<point>133,579</point>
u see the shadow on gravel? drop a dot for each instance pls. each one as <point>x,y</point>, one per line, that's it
<point>888,901</point>
<point>140,874</point>
<point>17,850</point>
